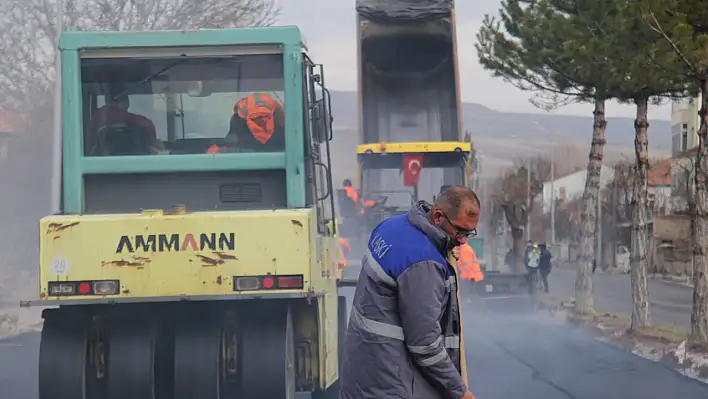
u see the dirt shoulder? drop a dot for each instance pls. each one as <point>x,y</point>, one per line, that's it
<point>664,344</point>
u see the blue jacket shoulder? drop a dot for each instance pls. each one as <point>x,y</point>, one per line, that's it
<point>396,244</point>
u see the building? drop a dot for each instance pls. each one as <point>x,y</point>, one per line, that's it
<point>570,187</point>
<point>685,123</point>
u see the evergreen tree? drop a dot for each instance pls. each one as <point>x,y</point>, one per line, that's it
<point>561,49</point>
<point>683,24</point>
<point>651,71</point>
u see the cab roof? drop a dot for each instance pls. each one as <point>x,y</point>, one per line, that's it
<point>414,147</point>
<point>282,35</point>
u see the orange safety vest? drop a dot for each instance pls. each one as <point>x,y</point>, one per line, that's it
<point>469,264</point>
<point>359,202</point>
<point>346,250</point>
<point>259,112</point>
<point>353,195</point>
<point>214,149</point>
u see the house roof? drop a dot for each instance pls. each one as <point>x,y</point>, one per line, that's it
<point>10,122</point>
<point>577,170</point>
<point>558,177</point>
<point>660,173</point>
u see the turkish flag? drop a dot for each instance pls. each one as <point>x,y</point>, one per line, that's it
<point>412,166</point>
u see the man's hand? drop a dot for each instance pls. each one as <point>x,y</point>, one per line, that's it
<point>468,395</point>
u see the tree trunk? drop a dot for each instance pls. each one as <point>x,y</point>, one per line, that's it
<point>638,257</point>
<point>517,234</point>
<point>699,313</point>
<point>516,216</point>
<point>583,279</point>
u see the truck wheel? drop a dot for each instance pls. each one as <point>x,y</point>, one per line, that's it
<point>66,367</point>
<point>268,354</point>
<point>206,357</point>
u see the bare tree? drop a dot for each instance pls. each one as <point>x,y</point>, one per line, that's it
<point>511,196</point>
<point>28,34</point>
<point>682,187</point>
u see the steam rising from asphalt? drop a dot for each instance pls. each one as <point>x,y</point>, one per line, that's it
<point>24,200</point>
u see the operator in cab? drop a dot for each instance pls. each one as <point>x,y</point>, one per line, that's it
<point>405,338</point>
<point>115,114</point>
<point>257,125</point>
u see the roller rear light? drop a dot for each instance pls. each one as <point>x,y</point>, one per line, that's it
<point>269,282</point>
<point>83,288</point>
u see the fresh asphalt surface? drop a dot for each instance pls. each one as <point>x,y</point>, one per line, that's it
<point>509,356</point>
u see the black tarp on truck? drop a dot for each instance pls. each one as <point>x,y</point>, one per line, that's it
<point>404,11</point>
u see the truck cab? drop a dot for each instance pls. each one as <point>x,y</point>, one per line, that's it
<point>191,258</point>
<point>380,169</point>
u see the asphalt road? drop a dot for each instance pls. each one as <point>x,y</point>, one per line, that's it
<point>509,356</point>
<point>669,303</point>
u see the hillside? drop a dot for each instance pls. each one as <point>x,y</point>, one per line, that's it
<point>503,136</point>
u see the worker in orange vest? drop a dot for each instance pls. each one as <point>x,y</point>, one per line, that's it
<point>360,203</point>
<point>257,124</point>
<point>346,251</point>
<point>468,264</point>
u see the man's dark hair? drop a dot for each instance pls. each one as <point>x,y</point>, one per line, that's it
<point>455,198</point>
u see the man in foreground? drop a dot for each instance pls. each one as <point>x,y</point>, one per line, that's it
<point>405,331</point>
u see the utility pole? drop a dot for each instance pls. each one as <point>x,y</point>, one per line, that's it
<point>598,253</point>
<point>55,205</point>
<point>528,199</point>
<point>553,198</point>
<point>615,200</point>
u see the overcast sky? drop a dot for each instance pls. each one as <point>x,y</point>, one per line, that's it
<point>329,28</point>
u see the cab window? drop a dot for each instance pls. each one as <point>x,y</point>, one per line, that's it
<point>183,105</point>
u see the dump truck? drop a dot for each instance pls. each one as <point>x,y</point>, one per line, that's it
<point>176,273</point>
<point>408,108</point>
<point>409,104</point>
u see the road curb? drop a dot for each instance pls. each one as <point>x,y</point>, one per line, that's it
<point>673,280</point>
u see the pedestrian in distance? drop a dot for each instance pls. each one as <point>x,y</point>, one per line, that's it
<point>545,265</point>
<point>405,334</point>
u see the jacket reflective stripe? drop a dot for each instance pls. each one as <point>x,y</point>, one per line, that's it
<point>427,349</point>
<point>452,342</point>
<point>376,268</point>
<point>431,361</point>
<point>376,327</point>
<point>396,332</point>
